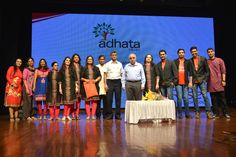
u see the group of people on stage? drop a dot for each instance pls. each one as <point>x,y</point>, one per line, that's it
<point>72,82</point>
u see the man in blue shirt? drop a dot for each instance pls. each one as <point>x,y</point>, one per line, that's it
<point>133,79</point>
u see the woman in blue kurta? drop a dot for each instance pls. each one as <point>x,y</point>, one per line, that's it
<point>40,87</point>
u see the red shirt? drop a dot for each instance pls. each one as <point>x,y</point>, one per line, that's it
<point>181,72</point>
<point>195,60</point>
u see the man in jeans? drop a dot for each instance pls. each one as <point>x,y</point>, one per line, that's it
<point>182,65</point>
<point>217,83</point>
<point>200,74</point>
<point>166,75</point>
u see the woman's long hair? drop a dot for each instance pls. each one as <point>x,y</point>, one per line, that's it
<point>86,64</point>
<point>46,65</point>
<point>76,54</point>
<point>152,63</point>
<point>63,66</point>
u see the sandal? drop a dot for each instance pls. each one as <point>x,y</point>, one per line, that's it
<point>57,118</point>
<point>29,119</point>
<point>12,119</point>
<point>51,118</point>
<point>33,118</point>
<point>17,119</point>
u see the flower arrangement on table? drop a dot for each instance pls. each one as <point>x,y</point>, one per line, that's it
<point>152,96</point>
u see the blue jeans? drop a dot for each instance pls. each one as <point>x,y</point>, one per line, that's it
<point>167,92</point>
<point>203,89</point>
<point>182,94</point>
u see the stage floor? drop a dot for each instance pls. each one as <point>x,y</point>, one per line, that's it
<point>115,138</point>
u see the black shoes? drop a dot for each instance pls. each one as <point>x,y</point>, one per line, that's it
<point>180,116</point>
<point>188,116</point>
<point>98,116</point>
<point>226,115</point>
<point>118,117</point>
<point>111,117</point>
<point>107,117</point>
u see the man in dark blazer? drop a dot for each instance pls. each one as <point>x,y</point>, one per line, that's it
<point>182,65</point>
<point>166,75</point>
<point>200,74</point>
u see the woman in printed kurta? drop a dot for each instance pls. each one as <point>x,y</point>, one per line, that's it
<point>67,87</point>
<point>40,87</point>
<point>53,97</point>
<point>76,65</point>
<point>13,96</point>
<point>92,74</point>
<point>150,74</point>
<point>28,79</point>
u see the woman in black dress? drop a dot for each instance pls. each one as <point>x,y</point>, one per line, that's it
<point>91,75</point>
<point>67,87</point>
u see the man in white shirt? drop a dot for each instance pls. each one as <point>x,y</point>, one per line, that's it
<point>102,90</point>
<point>113,85</point>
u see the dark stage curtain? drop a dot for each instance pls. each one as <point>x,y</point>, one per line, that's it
<point>15,41</point>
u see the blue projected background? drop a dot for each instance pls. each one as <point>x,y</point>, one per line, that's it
<point>58,36</point>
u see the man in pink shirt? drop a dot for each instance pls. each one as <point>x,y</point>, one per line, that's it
<point>217,83</point>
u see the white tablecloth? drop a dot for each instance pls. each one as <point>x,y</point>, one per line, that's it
<point>160,109</point>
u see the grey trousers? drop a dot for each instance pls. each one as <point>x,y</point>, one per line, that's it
<point>133,90</point>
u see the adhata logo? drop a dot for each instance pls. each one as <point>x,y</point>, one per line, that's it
<point>106,29</point>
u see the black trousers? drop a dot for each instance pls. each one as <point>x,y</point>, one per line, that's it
<point>114,87</point>
<point>218,101</point>
<point>27,104</point>
<point>102,98</point>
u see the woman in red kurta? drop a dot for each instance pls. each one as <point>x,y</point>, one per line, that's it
<point>13,93</point>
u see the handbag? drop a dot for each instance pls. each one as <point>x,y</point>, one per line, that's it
<point>90,89</point>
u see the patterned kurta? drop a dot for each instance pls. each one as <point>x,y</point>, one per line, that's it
<point>53,96</point>
<point>68,80</point>
<point>41,85</point>
<point>13,92</point>
<point>150,75</point>
<point>28,76</point>
<point>78,71</point>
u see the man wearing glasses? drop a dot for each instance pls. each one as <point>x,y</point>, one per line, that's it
<point>133,79</point>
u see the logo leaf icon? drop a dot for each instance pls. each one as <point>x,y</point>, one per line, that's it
<point>103,30</point>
